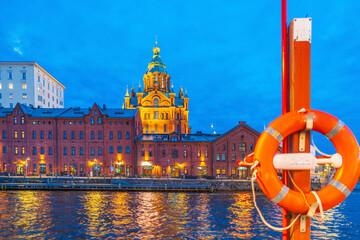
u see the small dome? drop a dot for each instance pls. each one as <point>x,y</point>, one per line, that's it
<point>156,65</point>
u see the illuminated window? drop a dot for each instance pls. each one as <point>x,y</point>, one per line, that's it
<point>65,168</point>
<point>16,151</point>
<point>223,170</point>
<point>0,85</point>
<point>15,120</point>
<point>22,150</point>
<point>15,134</point>
<point>217,170</point>
<point>206,154</point>
<point>22,134</point>
<point>22,120</point>
<point>217,157</point>
<point>242,147</point>
<point>24,86</point>
<point>185,170</point>
<point>11,86</point>
<point>198,153</point>
<point>185,153</point>
<point>233,170</point>
<point>163,170</point>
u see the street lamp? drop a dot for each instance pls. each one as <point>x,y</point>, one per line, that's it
<point>26,165</point>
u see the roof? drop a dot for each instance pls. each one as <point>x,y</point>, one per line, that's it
<point>198,137</point>
<point>179,101</point>
<point>241,124</point>
<point>73,112</point>
<point>156,65</point>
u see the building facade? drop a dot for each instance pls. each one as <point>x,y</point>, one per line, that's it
<point>30,84</point>
<point>161,109</point>
<point>69,141</point>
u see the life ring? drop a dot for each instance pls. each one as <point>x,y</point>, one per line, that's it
<point>344,142</point>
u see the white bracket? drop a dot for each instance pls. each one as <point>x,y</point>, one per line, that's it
<point>302,138</point>
<point>303,223</point>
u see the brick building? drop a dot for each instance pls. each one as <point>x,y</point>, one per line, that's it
<point>70,141</point>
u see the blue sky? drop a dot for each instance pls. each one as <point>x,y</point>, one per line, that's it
<point>227,54</point>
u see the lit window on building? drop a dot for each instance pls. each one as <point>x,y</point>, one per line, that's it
<point>218,170</point>
<point>22,120</point>
<point>223,170</point>
<point>198,153</point>
<point>24,86</point>
<point>11,96</point>
<point>22,134</point>
<point>242,147</point>
<point>22,150</point>
<point>11,86</point>
<point>65,167</point>
<point>206,154</point>
<point>233,171</point>
<point>0,85</point>
<point>16,152</point>
<point>185,170</point>
<point>185,154</point>
<point>15,134</point>
<point>163,170</point>
<point>218,157</point>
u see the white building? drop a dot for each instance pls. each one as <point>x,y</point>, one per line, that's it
<point>28,83</point>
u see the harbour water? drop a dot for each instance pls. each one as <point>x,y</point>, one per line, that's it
<point>149,215</point>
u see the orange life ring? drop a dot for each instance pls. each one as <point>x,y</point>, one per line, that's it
<point>344,142</point>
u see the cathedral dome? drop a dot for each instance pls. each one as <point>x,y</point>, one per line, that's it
<point>156,65</point>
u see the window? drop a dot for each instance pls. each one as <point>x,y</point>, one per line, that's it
<point>251,147</point>
<point>142,153</point>
<point>34,151</point>
<point>15,120</point>
<point>81,151</point>
<point>242,147</point>
<point>218,157</point>
<point>174,139</point>
<point>156,115</point>
<point>198,153</point>
<point>233,147</point>
<point>233,170</point>
<point>65,167</point>
<point>34,168</point>
<point>185,154</point>
<point>119,135</point>
<point>50,134</point>
<point>111,150</point>
<point>65,151</point>
<point>224,147</point>
<point>4,150</point>
<point>127,135</point>
<point>24,96</point>
<point>72,151</point>
<point>65,135</point>
<point>99,135</point>
<point>34,135</point>
<point>81,135</point>
<point>9,75</point>
<point>22,134</point>
<point>42,135</point>
<point>22,150</point>
<point>223,170</point>
<point>150,153</point>
<point>24,76</point>
<point>16,151</point>
<point>206,154</point>
<point>185,170</point>
<point>72,135</point>
<point>99,121</point>
<point>95,112</point>
<point>50,168</point>
<point>127,149</point>
<point>223,156</point>
<point>164,127</point>
<point>111,135</point>
<point>92,121</point>
<point>163,170</point>
<point>42,150</point>
<point>4,134</point>
<point>11,86</point>
<point>50,150</point>
<point>163,153</point>
<point>81,168</point>
<point>218,170</point>
<point>119,149</point>
<point>92,135</point>
<point>92,151</point>
<point>24,86</point>
<point>156,102</point>
<point>22,120</point>
<point>174,154</point>
<point>233,157</point>
<point>15,134</point>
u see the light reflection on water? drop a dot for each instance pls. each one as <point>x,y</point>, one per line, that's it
<point>146,215</point>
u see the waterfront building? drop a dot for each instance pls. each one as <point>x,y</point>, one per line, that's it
<point>161,109</point>
<point>28,83</point>
<point>68,141</point>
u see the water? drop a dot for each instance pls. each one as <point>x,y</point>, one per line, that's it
<point>147,215</point>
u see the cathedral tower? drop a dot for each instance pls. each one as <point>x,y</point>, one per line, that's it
<point>161,110</point>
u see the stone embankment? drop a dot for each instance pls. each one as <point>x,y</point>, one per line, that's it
<point>128,184</point>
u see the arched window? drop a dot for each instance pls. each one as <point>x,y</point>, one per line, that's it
<point>156,102</point>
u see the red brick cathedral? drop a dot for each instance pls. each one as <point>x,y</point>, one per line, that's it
<point>148,137</point>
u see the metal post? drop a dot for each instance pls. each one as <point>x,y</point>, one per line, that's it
<point>168,169</point>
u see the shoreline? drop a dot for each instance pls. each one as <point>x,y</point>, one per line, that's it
<point>128,184</point>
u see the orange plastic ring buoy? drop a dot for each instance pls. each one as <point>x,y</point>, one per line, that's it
<point>344,142</point>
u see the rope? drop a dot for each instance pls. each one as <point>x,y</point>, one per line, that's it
<point>253,178</point>
<point>320,205</point>
<point>249,164</point>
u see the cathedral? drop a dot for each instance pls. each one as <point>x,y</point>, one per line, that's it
<point>162,111</point>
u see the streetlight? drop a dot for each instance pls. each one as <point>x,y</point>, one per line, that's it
<point>168,169</point>
<point>26,165</point>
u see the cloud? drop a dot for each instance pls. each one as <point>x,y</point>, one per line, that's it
<point>18,50</point>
